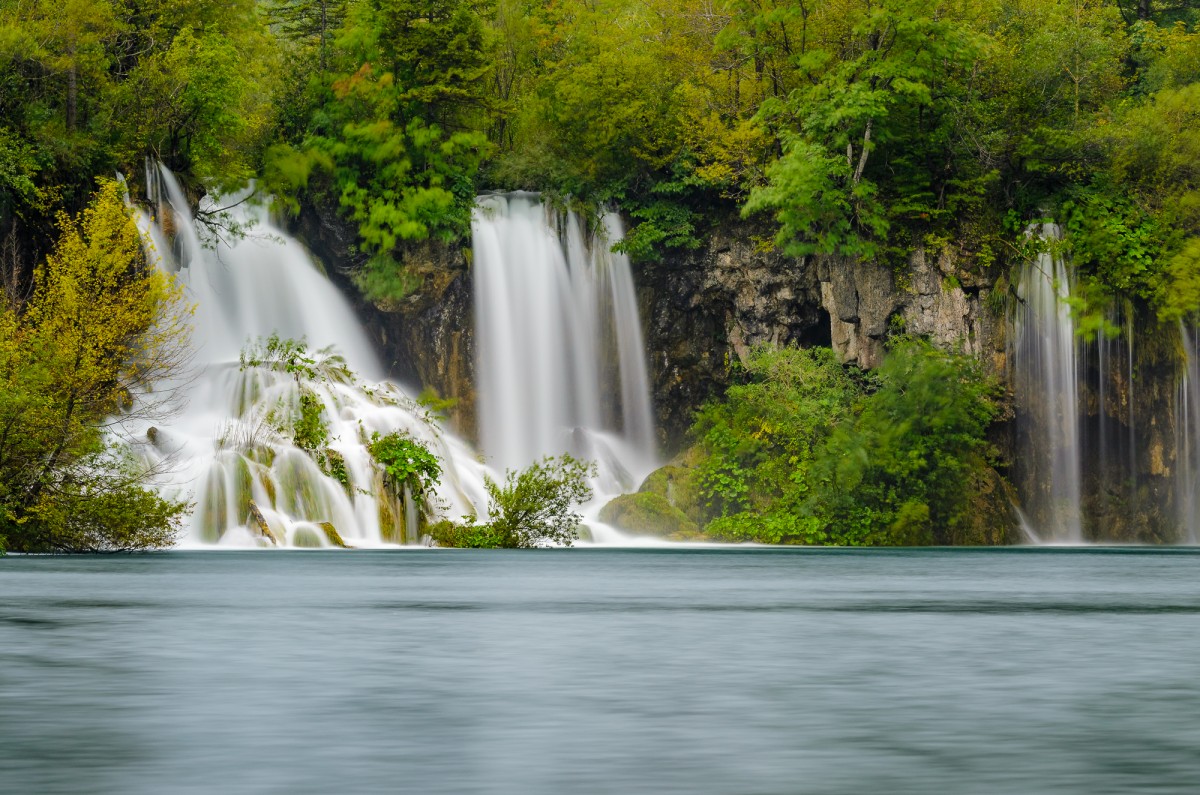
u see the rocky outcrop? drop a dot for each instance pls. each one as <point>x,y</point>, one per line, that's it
<point>942,296</point>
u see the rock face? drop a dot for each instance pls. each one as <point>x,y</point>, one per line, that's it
<point>1128,412</point>
<point>939,296</point>
<point>703,309</point>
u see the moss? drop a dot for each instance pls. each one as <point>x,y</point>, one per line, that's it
<point>388,529</point>
<point>268,485</point>
<point>244,482</point>
<point>989,518</point>
<point>307,538</point>
<point>212,511</point>
<point>332,534</point>
<point>677,484</point>
<point>262,454</point>
<point>647,513</point>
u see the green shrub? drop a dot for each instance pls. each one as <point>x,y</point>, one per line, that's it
<point>405,461</point>
<point>807,452</point>
<point>900,473</point>
<point>464,536</point>
<point>309,431</point>
<point>531,508</point>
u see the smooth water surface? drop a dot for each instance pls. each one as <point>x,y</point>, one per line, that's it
<point>602,671</point>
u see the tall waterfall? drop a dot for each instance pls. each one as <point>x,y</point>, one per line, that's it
<point>1045,380</point>
<point>561,362</point>
<point>227,452</point>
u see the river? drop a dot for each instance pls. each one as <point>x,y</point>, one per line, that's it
<point>602,671</point>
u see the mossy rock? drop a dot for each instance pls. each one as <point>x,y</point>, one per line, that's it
<point>989,519</point>
<point>306,538</point>
<point>388,531</point>
<point>584,533</point>
<point>677,485</point>
<point>332,534</point>
<point>647,513</point>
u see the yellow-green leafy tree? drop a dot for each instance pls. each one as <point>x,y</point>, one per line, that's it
<point>77,363</point>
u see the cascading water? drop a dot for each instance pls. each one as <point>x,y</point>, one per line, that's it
<point>233,450</point>
<point>1187,438</point>
<point>1045,379</point>
<point>561,362</point>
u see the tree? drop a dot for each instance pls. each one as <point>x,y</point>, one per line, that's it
<point>534,507</point>
<point>389,135</point>
<point>883,71</point>
<point>901,473</point>
<point>101,328</point>
<point>531,508</point>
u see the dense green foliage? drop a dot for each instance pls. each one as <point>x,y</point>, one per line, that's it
<point>75,361</point>
<point>88,87</point>
<point>805,451</point>
<point>533,507</point>
<point>862,127</point>
<point>385,127</point>
<point>405,462</point>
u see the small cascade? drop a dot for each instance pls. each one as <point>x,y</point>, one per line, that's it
<point>235,451</point>
<point>1187,438</point>
<point>1045,376</point>
<point>561,360</point>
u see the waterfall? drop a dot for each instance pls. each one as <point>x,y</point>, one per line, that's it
<point>229,451</point>
<point>1187,438</point>
<point>561,360</point>
<point>1045,379</point>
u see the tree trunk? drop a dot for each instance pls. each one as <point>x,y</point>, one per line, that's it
<point>862,157</point>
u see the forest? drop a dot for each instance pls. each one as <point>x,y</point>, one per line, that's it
<point>859,129</point>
